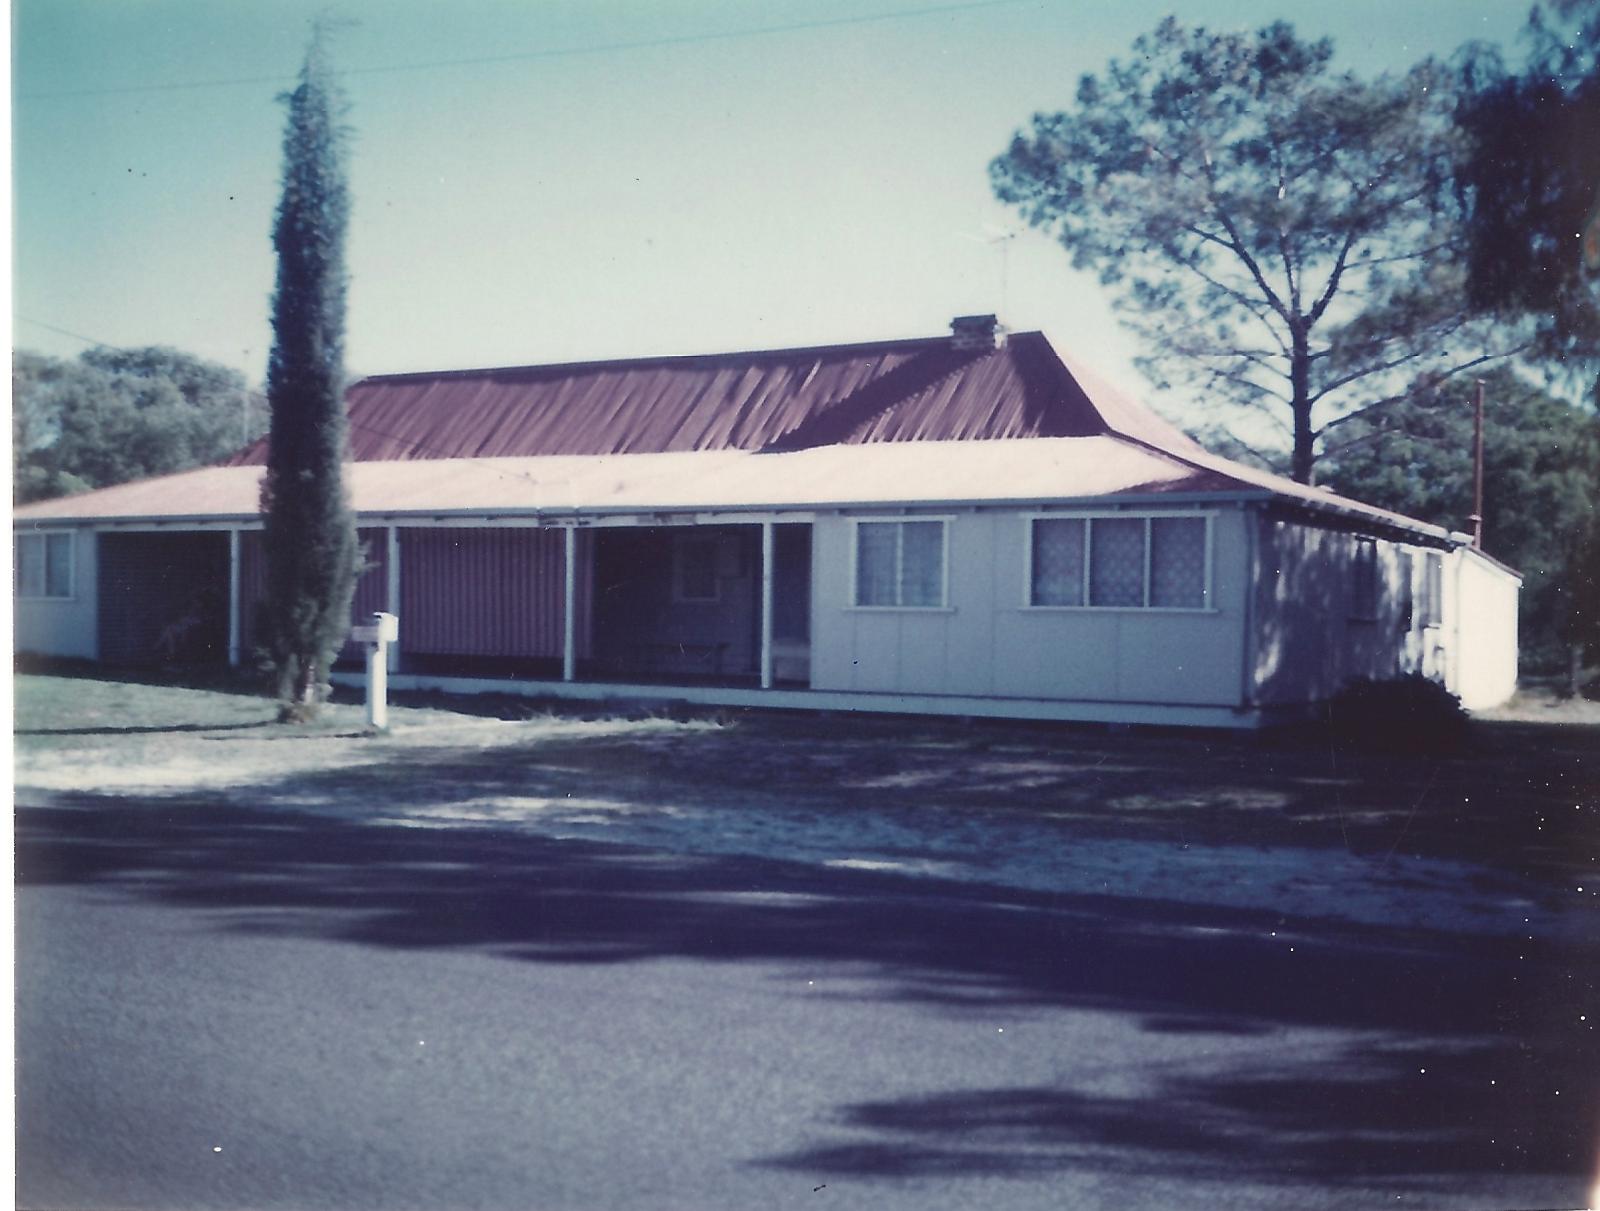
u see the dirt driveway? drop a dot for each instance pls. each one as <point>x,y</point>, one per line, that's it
<point>1498,839</point>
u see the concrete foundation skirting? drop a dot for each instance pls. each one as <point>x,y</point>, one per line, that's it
<point>1146,713</point>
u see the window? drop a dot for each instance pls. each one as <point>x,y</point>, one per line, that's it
<point>1432,589</point>
<point>44,565</point>
<point>1116,561</point>
<point>1119,562</point>
<point>1058,561</point>
<point>1364,581</point>
<point>900,563</point>
<point>694,569</point>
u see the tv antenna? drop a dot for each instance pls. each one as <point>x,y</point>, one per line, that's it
<point>1000,238</point>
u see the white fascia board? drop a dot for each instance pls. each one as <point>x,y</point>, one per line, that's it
<point>1363,522</point>
<point>147,524</point>
<point>754,513</point>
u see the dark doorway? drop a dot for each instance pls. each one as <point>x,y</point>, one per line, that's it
<point>679,604</point>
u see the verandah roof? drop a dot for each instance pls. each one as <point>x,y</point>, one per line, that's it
<point>930,474</point>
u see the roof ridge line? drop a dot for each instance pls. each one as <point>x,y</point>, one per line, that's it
<point>656,359</point>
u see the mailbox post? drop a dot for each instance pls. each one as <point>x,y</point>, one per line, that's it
<point>383,630</point>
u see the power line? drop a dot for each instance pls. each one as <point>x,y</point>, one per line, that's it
<point>603,48</point>
<point>77,336</point>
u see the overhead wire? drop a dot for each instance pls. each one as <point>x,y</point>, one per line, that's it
<point>77,336</point>
<point>533,55</point>
<point>522,56</point>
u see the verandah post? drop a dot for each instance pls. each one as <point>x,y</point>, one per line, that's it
<point>392,590</point>
<point>235,606</point>
<point>767,545</point>
<point>569,622</point>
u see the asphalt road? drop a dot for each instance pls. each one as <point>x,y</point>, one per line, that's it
<point>220,1007</point>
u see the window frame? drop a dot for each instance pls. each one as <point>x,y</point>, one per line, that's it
<point>19,538</point>
<point>1431,611</point>
<point>1088,516</point>
<point>899,522</point>
<point>1359,609</point>
<point>1405,562</point>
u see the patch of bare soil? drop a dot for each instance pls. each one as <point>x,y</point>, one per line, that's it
<point>1523,797</point>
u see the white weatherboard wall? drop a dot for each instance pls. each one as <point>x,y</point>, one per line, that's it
<point>64,626</point>
<point>988,643</point>
<point>1311,635</point>
<point>1485,627</point>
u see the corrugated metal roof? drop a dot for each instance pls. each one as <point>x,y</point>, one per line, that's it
<point>882,473</point>
<point>892,422</point>
<point>879,474</point>
<point>891,391</point>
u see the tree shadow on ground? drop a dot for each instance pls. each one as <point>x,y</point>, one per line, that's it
<point>1507,804</point>
<point>1399,1117</point>
<point>1468,1010</point>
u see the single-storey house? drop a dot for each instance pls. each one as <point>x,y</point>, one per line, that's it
<point>967,524</point>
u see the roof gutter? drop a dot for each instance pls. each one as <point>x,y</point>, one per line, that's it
<point>1367,514</point>
<point>554,513</point>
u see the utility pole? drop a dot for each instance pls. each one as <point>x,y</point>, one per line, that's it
<point>1476,520</point>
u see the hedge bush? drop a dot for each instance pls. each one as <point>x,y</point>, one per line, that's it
<point>1411,714</point>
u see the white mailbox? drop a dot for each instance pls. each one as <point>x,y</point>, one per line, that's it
<point>378,635</point>
<point>384,628</point>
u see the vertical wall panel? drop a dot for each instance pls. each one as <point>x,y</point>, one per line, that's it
<point>371,587</point>
<point>484,592</point>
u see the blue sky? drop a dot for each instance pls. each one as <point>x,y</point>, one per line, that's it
<point>554,181</point>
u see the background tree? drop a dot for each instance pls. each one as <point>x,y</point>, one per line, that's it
<point>1278,233</point>
<point>114,415</point>
<point>1541,485</point>
<point>1579,620</point>
<point>1530,179</point>
<point>310,534</point>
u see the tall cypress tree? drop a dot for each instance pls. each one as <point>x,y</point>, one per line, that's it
<point>310,539</point>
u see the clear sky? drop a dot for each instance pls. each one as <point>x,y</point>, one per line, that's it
<point>557,180</point>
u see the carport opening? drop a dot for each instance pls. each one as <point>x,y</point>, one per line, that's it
<point>163,598</point>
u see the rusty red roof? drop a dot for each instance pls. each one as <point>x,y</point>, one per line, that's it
<point>888,422</point>
<point>788,399</point>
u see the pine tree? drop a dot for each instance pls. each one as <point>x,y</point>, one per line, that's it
<point>310,539</point>
<point>1279,232</point>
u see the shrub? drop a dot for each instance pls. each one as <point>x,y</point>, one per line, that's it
<point>1410,714</point>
